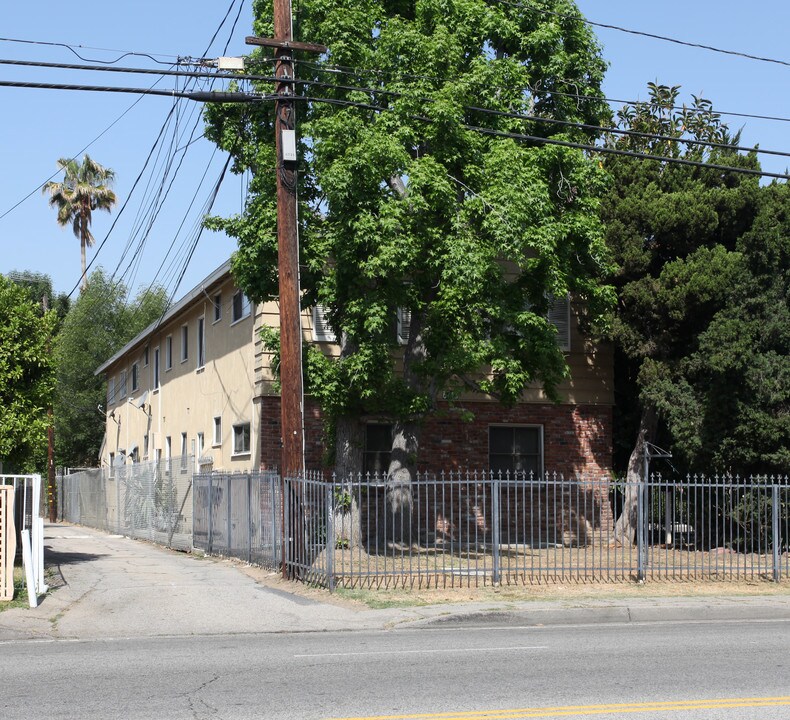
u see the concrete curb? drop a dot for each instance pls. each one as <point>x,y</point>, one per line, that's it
<point>677,611</point>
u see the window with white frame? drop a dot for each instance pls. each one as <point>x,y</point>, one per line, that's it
<point>183,451</point>
<point>217,431</point>
<point>184,343</point>
<point>135,377</point>
<point>322,330</point>
<point>516,449</point>
<point>168,454</point>
<point>241,306</point>
<point>217,303</point>
<point>201,445</point>
<point>157,379</point>
<point>123,389</point>
<point>145,356</point>
<point>241,439</point>
<point>201,342</point>
<point>168,352</point>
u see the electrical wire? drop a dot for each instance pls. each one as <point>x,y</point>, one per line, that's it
<point>125,53</point>
<point>128,198</point>
<point>501,113</point>
<point>566,16</point>
<point>361,72</point>
<point>244,97</point>
<point>77,154</point>
<point>564,143</point>
<point>352,88</point>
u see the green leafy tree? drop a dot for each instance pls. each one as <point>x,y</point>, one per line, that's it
<point>39,287</point>
<point>26,379</point>
<point>101,321</point>
<point>727,401</point>
<point>673,231</point>
<point>85,188</point>
<point>407,206</point>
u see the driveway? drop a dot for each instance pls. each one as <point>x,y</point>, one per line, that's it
<point>108,586</point>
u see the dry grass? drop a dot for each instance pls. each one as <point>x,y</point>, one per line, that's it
<point>546,574</point>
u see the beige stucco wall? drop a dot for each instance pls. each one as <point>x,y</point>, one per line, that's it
<point>189,398</point>
<point>590,382</point>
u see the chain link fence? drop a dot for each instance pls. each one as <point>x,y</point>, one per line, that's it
<point>148,500</point>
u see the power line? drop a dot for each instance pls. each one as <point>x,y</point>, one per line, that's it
<point>501,113</point>
<point>235,97</point>
<point>77,154</point>
<point>546,11</point>
<point>136,71</point>
<point>128,197</point>
<point>124,53</point>
<point>566,143</point>
<point>199,96</point>
<point>361,72</point>
<point>351,88</point>
<point>629,133</point>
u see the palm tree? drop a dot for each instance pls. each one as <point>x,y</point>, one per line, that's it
<point>85,188</point>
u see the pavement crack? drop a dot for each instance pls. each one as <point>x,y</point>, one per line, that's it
<point>200,709</point>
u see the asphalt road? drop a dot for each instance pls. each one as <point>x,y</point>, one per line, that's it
<point>695,670</point>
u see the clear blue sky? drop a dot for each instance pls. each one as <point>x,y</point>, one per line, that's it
<point>39,126</point>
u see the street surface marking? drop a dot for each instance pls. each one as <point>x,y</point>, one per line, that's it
<point>422,652</point>
<point>583,710</point>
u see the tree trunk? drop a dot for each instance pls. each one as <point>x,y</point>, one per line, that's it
<point>84,280</point>
<point>625,527</point>
<point>406,441</point>
<point>400,479</point>
<point>349,446</point>
<point>349,431</point>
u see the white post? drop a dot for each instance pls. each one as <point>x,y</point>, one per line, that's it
<point>28,563</point>
<point>38,525</point>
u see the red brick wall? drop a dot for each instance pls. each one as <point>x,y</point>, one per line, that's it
<point>271,434</point>
<point>577,439</point>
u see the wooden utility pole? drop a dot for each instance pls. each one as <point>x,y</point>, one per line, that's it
<point>291,393</point>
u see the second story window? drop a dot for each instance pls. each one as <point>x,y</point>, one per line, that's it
<point>201,342</point>
<point>111,391</point>
<point>217,302</point>
<point>168,352</point>
<point>124,391</point>
<point>156,368</point>
<point>135,377</point>
<point>184,343</point>
<point>217,430</point>
<point>241,306</point>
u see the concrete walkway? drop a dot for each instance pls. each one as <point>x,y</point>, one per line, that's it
<point>108,586</point>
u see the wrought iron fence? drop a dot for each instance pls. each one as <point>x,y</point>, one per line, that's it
<point>483,528</point>
<point>149,500</point>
